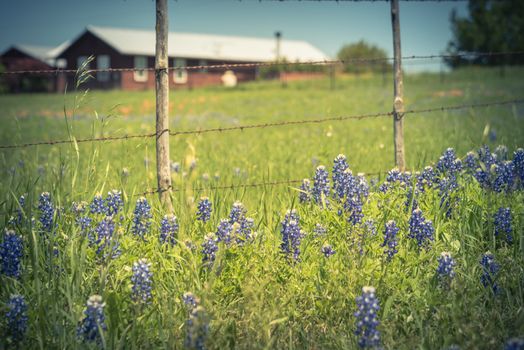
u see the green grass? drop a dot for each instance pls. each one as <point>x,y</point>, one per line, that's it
<point>254,298</point>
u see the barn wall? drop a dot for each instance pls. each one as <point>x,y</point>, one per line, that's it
<point>15,60</point>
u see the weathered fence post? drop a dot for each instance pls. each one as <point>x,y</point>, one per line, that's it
<point>398,104</point>
<point>162,104</point>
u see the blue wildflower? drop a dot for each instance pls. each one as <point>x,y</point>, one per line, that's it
<point>420,229</point>
<point>238,212</point>
<point>197,329</point>
<point>291,234</point>
<point>353,206</point>
<point>426,179</point>
<point>304,196</point>
<point>190,300</point>
<point>98,205</point>
<point>321,186</point>
<point>514,344</point>
<point>502,221</point>
<point>204,209</point>
<point>175,167</point>
<point>93,322</point>
<point>501,152</point>
<point>471,162</point>
<point>17,220</point>
<point>224,231</point>
<point>490,269</point>
<point>168,229</point>
<point>445,271</point>
<point>327,250</point>
<point>142,218</point>
<point>244,230</point>
<point>114,202</point>
<point>339,167</point>
<point>47,211</point>
<point>11,252</point>
<point>367,319</point>
<point>209,248</point>
<point>449,163</point>
<point>16,318</point>
<point>503,176</point>
<point>390,239</point>
<point>106,242</point>
<point>142,283</point>
<point>518,165</point>
<point>370,227</point>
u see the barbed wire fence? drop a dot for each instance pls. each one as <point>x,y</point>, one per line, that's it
<point>283,123</point>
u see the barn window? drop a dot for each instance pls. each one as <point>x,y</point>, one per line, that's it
<point>103,62</point>
<point>180,75</point>
<point>82,62</point>
<point>203,63</point>
<point>140,75</point>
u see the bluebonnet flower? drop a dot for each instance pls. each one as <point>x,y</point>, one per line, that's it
<point>106,242</point>
<point>205,177</point>
<point>197,329</point>
<point>224,231</point>
<point>98,205</point>
<point>11,252</point>
<point>209,248</point>
<point>204,209</point>
<point>193,164</point>
<point>190,300</point>
<point>362,187</point>
<point>327,250</point>
<point>114,202</point>
<point>445,271</point>
<point>518,165</point>
<point>471,162</point>
<point>503,176</point>
<point>84,221</point>
<point>420,229</point>
<point>426,179</point>
<point>449,163</point>
<point>514,344</point>
<point>486,157</point>
<point>47,211</point>
<point>490,269</point>
<point>390,239</point>
<point>142,283</point>
<point>321,186</point>
<point>142,218</point>
<point>291,234</point>
<point>367,319</point>
<point>16,318</point>
<point>319,230</point>
<point>353,206</point>
<point>244,230</point>
<point>304,196</point>
<point>395,176</point>
<point>339,167</point>
<point>168,229</point>
<point>238,212</point>
<point>502,221</point>
<point>94,320</point>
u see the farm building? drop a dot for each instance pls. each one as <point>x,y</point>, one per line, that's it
<point>125,48</point>
<point>29,57</point>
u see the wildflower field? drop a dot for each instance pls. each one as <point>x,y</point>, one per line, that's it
<point>357,255</point>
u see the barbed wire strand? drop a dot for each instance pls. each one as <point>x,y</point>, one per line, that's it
<point>267,64</point>
<point>264,125</point>
<point>236,186</point>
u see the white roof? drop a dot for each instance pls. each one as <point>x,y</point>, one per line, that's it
<point>45,54</point>
<point>208,46</point>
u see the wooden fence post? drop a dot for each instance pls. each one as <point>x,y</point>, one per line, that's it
<point>398,104</point>
<point>162,105</point>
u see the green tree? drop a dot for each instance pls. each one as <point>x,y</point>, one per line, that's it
<point>492,26</point>
<point>361,50</point>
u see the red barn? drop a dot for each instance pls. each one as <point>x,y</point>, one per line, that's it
<point>125,48</point>
<point>29,57</point>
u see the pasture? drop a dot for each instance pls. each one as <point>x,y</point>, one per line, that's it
<point>255,291</point>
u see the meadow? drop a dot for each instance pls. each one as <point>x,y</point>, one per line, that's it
<point>266,278</point>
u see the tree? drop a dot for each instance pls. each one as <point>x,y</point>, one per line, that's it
<point>492,26</point>
<point>361,50</point>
